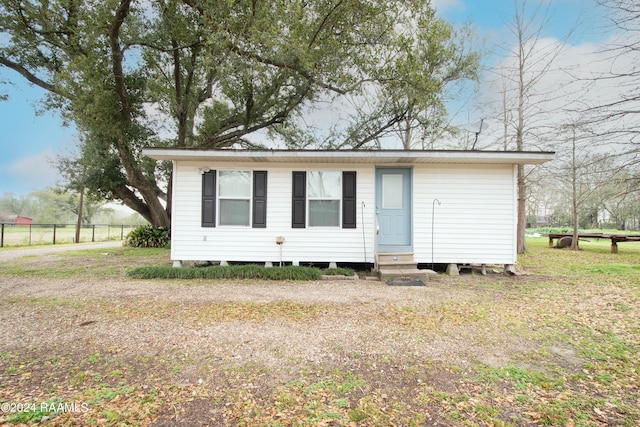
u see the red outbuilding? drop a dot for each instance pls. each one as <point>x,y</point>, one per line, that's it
<point>17,220</point>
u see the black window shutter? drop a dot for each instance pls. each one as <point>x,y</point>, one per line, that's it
<point>209,199</point>
<point>349,199</point>
<point>259,199</point>
<point>299,202</point>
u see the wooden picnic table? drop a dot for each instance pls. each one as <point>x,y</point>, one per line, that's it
<point>615,238</point>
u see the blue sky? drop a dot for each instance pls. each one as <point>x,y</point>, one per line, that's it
<point>28,142</point>
<point>490,17</point>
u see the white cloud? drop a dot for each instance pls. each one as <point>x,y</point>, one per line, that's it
<point>570,85</point>
<point>32,173</point>
<point>444,6</point>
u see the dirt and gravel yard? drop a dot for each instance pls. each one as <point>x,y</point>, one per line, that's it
<point>82,344</point>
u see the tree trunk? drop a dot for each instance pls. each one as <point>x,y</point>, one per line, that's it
<point>574,189</point>
<point>169,196</point>
<point>521,245</point>
<point>574,209</point>
<point>522,182</point>
<point>79,222</point>
<point>158,216</point>
<point>574,237</point>
<point>154,212</point>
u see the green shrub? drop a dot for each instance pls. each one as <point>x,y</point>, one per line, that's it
<point>249,271</point>
<point>148,236</point>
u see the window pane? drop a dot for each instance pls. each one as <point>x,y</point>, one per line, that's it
<point>392,191</point>
<point>325,185</point>
<point>234,212</point>
<point>235,184</point>
<point>324,213</point>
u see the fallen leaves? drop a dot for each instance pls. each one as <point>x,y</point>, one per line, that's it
<point>483,351</point>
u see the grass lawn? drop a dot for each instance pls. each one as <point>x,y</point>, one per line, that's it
<point>556,345</point>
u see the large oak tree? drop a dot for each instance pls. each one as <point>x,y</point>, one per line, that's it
<point>215,73</point>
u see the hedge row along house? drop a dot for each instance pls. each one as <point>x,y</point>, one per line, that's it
<point>404,208</point>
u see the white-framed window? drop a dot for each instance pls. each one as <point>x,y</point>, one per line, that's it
<point>234,197</point>
<point>324,196</point>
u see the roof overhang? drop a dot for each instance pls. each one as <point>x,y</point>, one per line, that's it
<point>352,156</point>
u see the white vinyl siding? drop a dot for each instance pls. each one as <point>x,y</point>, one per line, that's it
<point>191,241</point>
<point>474,223</point>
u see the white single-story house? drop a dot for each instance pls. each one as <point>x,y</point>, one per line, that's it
<point>304,206</point>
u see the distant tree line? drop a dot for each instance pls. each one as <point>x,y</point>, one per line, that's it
<point>602,206</point>
<point>54,206</point>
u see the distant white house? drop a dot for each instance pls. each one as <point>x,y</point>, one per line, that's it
<point>319,207</point>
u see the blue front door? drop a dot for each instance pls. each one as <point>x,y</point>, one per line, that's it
<point>393,209</point>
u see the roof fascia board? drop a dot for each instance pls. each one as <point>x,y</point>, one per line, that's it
<point>357,156</point>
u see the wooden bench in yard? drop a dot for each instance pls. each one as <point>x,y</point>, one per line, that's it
<point>615,238</point>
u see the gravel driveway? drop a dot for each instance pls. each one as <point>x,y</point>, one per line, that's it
<point>196,352</point>
<point>152,317</point>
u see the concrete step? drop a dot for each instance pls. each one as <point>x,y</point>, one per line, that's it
<point>398,266</point>
<point>395,258</point>
<point>400,262</point>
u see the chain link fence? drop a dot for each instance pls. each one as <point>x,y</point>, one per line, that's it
<point>53,234</point>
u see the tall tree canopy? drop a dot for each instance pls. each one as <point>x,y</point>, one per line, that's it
<point>214,74</point>
<point>617,112</point>
<point>621,54</point>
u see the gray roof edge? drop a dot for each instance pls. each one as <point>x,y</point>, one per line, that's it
<point>371,156</point>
